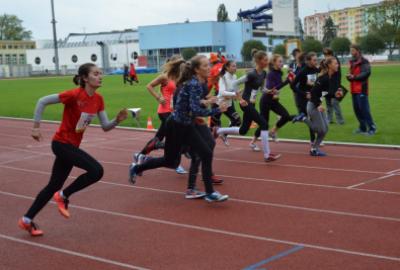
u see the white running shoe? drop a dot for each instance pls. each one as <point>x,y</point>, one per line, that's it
<point>254,147</point>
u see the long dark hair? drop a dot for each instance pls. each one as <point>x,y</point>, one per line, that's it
<point>188,69</point>
<point>83,72</point>
<point>225,67</point>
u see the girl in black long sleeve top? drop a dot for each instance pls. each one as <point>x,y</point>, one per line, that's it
<point>317,120</point>
<point>302,86</point>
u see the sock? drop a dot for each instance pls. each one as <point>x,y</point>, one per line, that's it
<point>26,220</point>
<point>265,143</point>
<point>230,130</point>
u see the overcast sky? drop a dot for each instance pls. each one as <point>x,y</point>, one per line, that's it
<point>77,16</point>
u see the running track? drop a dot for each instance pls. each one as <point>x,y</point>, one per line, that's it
<point>338,212</point>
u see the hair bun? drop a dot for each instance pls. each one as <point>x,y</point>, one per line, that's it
<point>76,79</point>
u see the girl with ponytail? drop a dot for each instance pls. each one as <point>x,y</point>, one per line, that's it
<point>255,82</point>
<point>316,119</point>
<point>81,105</point>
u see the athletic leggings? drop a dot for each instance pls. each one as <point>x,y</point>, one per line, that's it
<point>195,161</point>
<point>67,156</point>
<point>267,104</point>
<point>302,107</point>
<point>150,145</point>
<point>250,114</point>
<point>231,113</point>
<point>317,122</point>
<point>177,136</point>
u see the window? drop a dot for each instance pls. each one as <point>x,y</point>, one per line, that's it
<point>54,59</point>
<point>10,46</point>
<point>114,56</point>
<point>1,59</point>
<point>93,57</point>
<point>74,58</point>
<point>13,59</point>
<point>37,60</point>
<point>135,55</point>
<point>22,59</point>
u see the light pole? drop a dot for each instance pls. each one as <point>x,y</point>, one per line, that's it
<point>53,21</point>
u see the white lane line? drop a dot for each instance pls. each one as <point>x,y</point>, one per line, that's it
<point>220,231</point>
<point>371,181</point>
<point>276,205</point>
<point>73,253</point>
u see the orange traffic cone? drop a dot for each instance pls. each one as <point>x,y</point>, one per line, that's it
<point>149,123</point>
<point>254,125</point>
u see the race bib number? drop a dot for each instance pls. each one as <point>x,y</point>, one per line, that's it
<point>312,77</point>
<point>84,122</point>
<point>253,96</point>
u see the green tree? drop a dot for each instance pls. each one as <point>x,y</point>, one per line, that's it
<point>329,32</point>
<point>312,45</point>
<point>372,43</point>
<point>248,46</point>
<point>11,28</point>
<point>341,45</point>
<point>222,14</point>
<point>188,53</point>
<point>384,20</point>
<point>280,49</point>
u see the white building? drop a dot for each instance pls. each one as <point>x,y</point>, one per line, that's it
<point>109,50</point>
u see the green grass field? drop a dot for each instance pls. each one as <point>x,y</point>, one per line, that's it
<point>18,99</point>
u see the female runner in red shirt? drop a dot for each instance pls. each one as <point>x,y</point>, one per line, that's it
<point>81,105</point>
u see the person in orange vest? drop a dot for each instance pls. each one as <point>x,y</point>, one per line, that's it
<point>132,74</point>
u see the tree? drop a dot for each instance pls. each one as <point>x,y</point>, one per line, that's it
<point>329,32</point>
<point>248,46</point>
<point>312,45</point>
<point>280,49</point>
<point>384,20</point>
<point>387,32</point>
<point>372,43</point>
<point>11,28</point>
<point>341,46</point>
<point>222,14</point>
<point>188,53</point>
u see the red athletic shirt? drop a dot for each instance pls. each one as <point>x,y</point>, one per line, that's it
<point>79,111</point>
<point>167,92</point>
<point>214,77</point>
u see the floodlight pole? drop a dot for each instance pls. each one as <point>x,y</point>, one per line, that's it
<point>53,21</point>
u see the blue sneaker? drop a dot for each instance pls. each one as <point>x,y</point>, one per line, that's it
<point>371,132</point>
<point>299,118</point>
<point>180,170</point>
<point>132,173</point>
<point>216,197</point>
<point>139,159</point>
<point>317,153</point>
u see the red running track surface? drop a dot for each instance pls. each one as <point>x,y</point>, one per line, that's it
<point>337,212</point>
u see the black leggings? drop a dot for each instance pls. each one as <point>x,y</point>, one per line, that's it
<point>302,107</point>
<point>150,145</point>
<point>267,104</point>
<point>67,156</point>
<point>231,113</point>
<point>177,137</point>
<point>195,162</point>
<point>250,114</point>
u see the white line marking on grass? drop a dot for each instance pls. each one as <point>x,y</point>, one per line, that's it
<point>219,231</point>
<point>385,146</point>
<point>72,253</point>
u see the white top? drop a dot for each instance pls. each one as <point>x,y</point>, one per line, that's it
<point>229,87</point>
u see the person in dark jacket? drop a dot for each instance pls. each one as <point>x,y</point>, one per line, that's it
<point>333,104</point>
<point>360,70</point>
